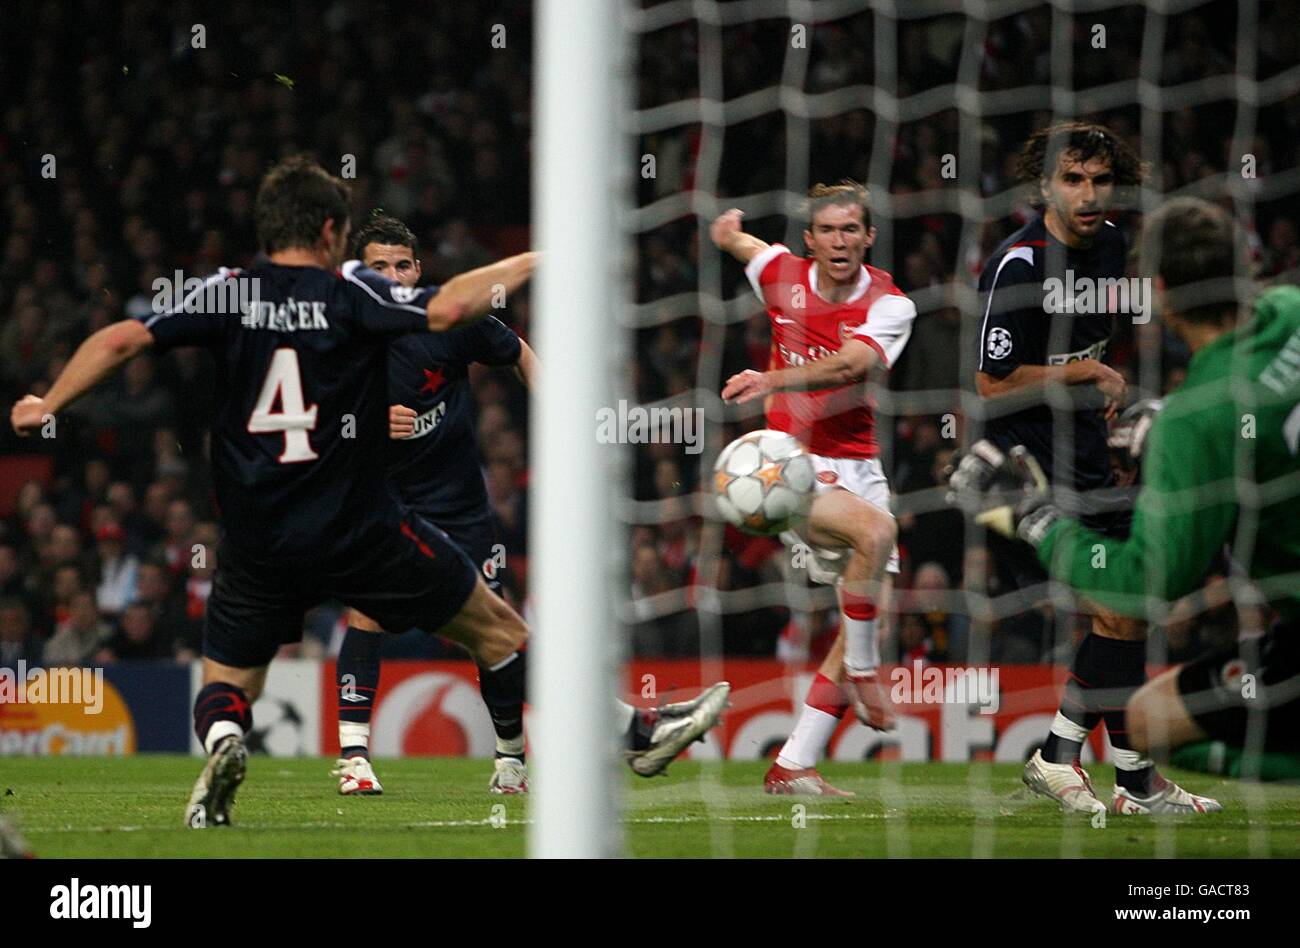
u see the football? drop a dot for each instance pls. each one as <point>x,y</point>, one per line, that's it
<point>762,481</point>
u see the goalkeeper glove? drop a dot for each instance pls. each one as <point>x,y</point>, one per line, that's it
<point>1006,493</point>
<point>1130,435</point>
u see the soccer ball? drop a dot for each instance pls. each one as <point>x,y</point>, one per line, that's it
<point>762,481</point>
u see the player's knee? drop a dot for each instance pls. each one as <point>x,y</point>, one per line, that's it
<point>877,534</point>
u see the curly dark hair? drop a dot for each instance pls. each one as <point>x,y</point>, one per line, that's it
<point>1082,141</point>
<point>381,228</point>
<point>294,201</point>
<point>846,192</point>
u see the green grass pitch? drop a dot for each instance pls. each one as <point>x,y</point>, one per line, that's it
<point>437,807</point>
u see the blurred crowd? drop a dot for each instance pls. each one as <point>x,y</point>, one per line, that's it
<point>951,603</point>
<point>132,139</point>
<point>128,151</point>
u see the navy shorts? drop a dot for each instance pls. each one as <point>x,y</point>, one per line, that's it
<point>478,540</point>
<point>1223,702</point>
<point>406,573</point>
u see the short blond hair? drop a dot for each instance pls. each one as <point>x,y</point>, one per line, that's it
<point>845,193</point>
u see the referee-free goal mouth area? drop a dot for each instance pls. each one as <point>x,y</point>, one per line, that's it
<point>131,807</point>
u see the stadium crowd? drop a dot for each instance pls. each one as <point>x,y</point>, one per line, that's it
<point>126,154</point>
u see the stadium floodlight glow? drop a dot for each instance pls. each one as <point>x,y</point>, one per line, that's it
<point>577,202</point>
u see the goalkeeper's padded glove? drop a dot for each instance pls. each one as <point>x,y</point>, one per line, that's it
<point>1134,427</point>
<point>974,474</point>
<point>1008,493</point>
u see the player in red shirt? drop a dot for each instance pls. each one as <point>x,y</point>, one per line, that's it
<point>834,321</point>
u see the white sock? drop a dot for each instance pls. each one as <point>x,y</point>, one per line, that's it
<point>220,730</point>
<point>1064,728</point>
<point>354,734</point>
<point>1128,759</point>
<point>808,740</point>
<point>861,650</point>
<point>511,748</point>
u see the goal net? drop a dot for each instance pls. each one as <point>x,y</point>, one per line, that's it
<point>747,104</point>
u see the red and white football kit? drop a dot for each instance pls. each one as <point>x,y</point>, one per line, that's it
<point>836,425</point>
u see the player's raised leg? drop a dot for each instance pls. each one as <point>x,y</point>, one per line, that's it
<point>839,518</point>
<point>496,636</point>
<point>358,683</point>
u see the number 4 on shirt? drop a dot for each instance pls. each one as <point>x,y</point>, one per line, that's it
<point>284,383</point>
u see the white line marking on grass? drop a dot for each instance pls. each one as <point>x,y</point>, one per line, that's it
<point>461,824</point>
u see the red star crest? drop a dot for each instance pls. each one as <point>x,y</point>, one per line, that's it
<point>432,381</point>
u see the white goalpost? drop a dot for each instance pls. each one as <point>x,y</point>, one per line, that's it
<point>578,182</point>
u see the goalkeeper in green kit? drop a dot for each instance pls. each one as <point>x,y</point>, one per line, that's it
<point>1221,467</point>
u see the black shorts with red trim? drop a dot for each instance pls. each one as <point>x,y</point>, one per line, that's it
<point>478,539</point>
<point>403,572</point>
<point>1253,684</point>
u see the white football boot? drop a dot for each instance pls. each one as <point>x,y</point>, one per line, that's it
<point>356,778</point>
<point>680,709</point>
<point>1168,800</point>
<point>674,732</point>
<point>214,791</point>
<point>1067,784</point>
<point>509,776</point>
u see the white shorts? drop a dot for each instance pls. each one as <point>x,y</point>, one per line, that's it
<point>862,476</point>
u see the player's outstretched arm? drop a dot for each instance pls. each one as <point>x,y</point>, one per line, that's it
<point>729,238</point>
<point>1036,378</point>
<point>852,363</point>
<point>527,367</point>
<point>98,357</point>
<point>472,295</point>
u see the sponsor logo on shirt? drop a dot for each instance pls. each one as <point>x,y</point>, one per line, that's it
<point>1094,351</point>
<point>790,357</point>
<point>425,423</point>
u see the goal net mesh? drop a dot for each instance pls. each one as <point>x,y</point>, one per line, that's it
<point>747,104</point>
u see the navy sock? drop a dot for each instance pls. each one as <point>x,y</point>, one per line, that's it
<point>504,692</point>
<point>1076,704</point>
<point>1125,672</point>
<point>358,681</point>
<point>220,701</point>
